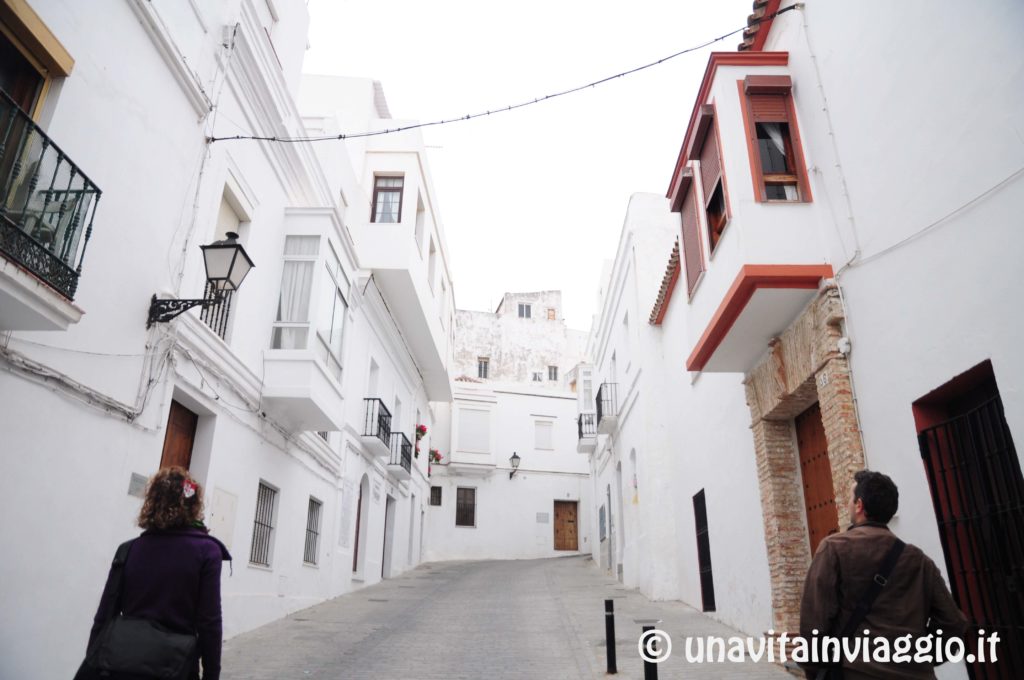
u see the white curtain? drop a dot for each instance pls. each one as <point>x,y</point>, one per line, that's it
<point>296,287</point>
<point>774,131</point>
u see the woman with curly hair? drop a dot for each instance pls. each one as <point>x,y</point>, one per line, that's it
<point>172,572</point>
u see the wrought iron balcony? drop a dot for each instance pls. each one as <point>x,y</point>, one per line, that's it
<point>47,203</point>
<point>377,426</point>
<point>400,463</point>
<point>587,427</point>
<point>607,408</point>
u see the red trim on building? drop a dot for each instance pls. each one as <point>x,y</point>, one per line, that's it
<point>714,61</point>
<point>751,277</point>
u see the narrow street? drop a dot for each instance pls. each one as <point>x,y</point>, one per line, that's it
<point>528,619</point>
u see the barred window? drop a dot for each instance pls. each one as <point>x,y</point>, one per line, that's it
<point>263,525</point>
<point>312,531</point>
<point>465,507</point>
<point>435,495</point>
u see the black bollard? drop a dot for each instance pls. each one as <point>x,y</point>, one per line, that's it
<point>650,668</point>
<point>609,634</point>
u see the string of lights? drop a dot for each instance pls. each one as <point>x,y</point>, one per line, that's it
<point>490,112</point>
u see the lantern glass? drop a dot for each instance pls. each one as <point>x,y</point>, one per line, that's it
<point>227,263</point>
<point>514,461</point>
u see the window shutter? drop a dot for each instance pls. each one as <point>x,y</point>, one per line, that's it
<point>691,242</point>
<point>710,164</point>
<point>768,108</point>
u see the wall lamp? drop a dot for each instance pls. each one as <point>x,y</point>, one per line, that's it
<point>514,462</point>
<point>227,264</point>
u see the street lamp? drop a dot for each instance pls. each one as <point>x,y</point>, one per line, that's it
<point>514,462</point>
<point>227,265</point>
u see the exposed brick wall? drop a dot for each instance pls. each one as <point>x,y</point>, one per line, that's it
<point>802,367</point>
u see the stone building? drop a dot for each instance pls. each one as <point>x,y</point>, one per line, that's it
<point>513,405</point>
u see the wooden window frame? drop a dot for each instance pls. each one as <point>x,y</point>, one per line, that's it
<point>706,128</point>
<point>26,31</point>
<point>377,190</point>
<point>460,506</point>
<point>781,86</point>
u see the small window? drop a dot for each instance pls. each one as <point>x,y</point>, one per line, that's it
<point>291,327</point>
<point>312,531</point>
<point>387,199</point>
<point>323,434</point>
<point>483,364</point>
<point>551,314</point>
<point>538,376</point>
<point>263,525</point>
<point>465,507</point>
<point>525,311</point>
<point>543,435</point>
<point>552,372</point>
<point>778,171</point>
<point>435,495</point>
<point>716,215</point>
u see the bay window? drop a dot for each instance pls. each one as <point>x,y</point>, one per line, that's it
<point>291,327</point>
<point>776,157</point>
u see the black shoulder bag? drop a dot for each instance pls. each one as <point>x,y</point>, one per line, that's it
<point>137,648</point>
<point>878,582</point>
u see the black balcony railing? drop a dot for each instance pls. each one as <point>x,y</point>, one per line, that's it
<point>587,423</point>
<point>607,401</point>
<point>401,451</point>
<point>378,421</point>
<point>47,204</point>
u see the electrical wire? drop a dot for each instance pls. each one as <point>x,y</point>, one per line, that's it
<point>505,109</point>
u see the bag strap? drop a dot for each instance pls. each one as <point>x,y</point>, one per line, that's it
<point>878,582</point>
<point>117,571</point>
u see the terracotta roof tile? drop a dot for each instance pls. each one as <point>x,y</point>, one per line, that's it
<point>668,284</point>
<point>759,22</point>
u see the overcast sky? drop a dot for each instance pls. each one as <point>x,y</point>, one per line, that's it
<point>532,199</point>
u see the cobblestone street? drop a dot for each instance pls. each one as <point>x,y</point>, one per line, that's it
<point>531,619</point>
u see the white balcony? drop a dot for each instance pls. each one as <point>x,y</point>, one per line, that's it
<point>300,392</point>
<point>607,408</point>
<point>391,252</point>
<point>587,429</point>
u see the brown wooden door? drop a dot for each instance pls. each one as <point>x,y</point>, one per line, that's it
<point>819,492</point>
<point>566,537</point>
<point>181,435</point>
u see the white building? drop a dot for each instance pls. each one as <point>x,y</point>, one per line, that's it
<point>511,398</point>
<point>265,396</point>
<point>840,301</point>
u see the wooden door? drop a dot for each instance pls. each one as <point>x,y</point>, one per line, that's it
<point>180,436</point>
<point>566,537</point>
<point>816,472</point>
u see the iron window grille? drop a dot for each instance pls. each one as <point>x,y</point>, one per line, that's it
<point>312,531</point>
<point>465,507</point>
<point>435,495</point>
<point>263,526</point>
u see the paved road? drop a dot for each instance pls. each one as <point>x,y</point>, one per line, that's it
<point>529,619</point>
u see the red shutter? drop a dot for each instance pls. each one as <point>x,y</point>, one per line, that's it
<point>769,108</point>
<point>710,164</point>
<point>691,242</point>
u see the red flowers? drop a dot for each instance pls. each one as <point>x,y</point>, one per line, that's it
<point>435,456</point>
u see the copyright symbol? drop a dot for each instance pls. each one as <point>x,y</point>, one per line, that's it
<point>655,646</point>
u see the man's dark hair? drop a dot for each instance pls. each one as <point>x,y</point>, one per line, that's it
<point>879,493</point>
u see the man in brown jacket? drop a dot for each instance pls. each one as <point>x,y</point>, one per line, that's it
<point>914,599</point>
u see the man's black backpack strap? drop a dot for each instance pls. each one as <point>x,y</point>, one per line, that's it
<point>880,580</point>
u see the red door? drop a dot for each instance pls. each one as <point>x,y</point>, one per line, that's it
<point>819,492</point>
